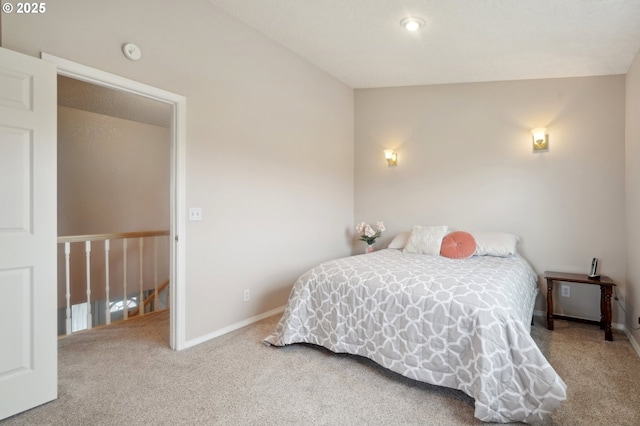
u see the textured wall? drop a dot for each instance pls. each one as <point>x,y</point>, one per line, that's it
<point>113,176</point>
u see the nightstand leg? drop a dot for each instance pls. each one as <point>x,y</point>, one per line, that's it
<point>608,334</point>
<point>602,308</point>
<point>550,304</point>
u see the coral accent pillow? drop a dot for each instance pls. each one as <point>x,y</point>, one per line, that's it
<point>458,245</point>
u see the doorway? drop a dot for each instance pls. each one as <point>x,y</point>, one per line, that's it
<point>177,105</point>
<point>113,180</point>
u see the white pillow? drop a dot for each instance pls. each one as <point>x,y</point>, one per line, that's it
<point>425,239</point>
<point>399,241</point>
<point>498,244</point>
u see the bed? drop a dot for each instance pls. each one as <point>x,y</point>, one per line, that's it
<point>460,323</point>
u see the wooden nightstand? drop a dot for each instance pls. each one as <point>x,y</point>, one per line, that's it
<point>606,286</point>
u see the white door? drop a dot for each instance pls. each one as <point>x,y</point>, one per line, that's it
<point>28,342</point>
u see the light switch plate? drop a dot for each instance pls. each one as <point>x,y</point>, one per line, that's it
<point>195,214</point>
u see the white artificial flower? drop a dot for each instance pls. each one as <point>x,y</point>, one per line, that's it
<point>368,233</point>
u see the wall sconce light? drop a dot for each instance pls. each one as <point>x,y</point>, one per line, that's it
<point>392,157</point>
<point>540,139</point>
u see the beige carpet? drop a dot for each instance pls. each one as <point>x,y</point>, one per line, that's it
<point>126,374</point>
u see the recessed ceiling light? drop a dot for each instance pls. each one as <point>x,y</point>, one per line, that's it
<point>412,24</point>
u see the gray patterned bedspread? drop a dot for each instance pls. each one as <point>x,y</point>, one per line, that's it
<point>463,324</point>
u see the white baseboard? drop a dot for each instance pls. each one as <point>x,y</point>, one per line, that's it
<point>617,326</point>
<point>614,325</point>
<point>233,327</point>
<point>633,342</point>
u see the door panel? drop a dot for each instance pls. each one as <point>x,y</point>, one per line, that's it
<point>15,154</point>
<point>28,342</point>
<point>15,309</point>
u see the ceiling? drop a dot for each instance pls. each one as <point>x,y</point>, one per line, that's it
<point>115,103</point>
<point>361,42</point>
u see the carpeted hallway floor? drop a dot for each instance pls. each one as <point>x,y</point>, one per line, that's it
<point>126,374</point>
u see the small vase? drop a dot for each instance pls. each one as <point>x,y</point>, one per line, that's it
<point>370,248</point>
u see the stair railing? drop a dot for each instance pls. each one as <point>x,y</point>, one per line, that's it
<point>107,238</point>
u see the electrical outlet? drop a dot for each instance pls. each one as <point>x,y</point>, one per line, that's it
<point>565,290</point>
<point>247,295</point>
<point>195,214</point>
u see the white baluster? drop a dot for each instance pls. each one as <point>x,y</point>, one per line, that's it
<point>124,282</point>
<point>141,300</point>
<point>67,253</point>
<point>155,273</point>
<point>106,281</point>
<point>87,250</point>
